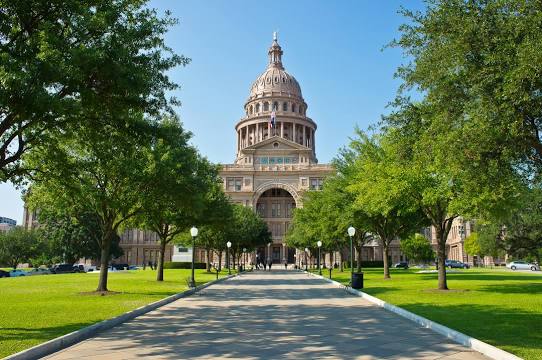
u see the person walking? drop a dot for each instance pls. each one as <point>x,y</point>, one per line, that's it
<point>264,266</point>
<point>269,263</point>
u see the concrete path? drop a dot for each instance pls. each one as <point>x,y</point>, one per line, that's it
<point>277,315</point>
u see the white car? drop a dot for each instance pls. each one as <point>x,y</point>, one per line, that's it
<point>38,271</point>
<point>16,273</point>
<point>522,265</point>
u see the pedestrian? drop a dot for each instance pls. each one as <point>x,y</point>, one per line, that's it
<point>150,265</point>
<point>285,265</point>
<point>264,266</point>
<point>155,265</point>
<point>269,263</point>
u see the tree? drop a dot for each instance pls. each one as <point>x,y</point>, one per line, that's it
<point>102,170</point>
<point>478,56</point>
<point>417,248</point>
<point>176,181</point>
<point>70,234</point>
<point>382,192</point>
<point>523,229</point>
<point>18,246</point>
<point>247,230</point>
<point>66,62</point>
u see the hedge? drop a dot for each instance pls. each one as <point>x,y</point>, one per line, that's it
<point>369,264</point>
<point>184,265</point>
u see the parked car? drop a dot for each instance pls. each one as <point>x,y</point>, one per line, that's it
<point>80,268</point>
<point>39,271</point>
<point>62,269</point>
<point>134,267</point>
<point>17,273</point>
<point>120,266</point>
<point>455,264</point>
<point>401,265</point>
<point>4,273</point>
<point>523,265</point>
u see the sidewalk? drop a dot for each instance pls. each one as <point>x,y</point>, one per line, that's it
<point>265,315</point>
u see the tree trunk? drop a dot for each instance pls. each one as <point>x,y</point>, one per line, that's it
<point>358,260</point>
<point>385,259</point>
<point>220,260</point>
<point>160,269</point>
<point>104,263</point>
<point>341,253</point>
<point>441,254</point>
<point>208,256</point>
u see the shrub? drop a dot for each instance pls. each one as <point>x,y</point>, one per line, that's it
<point>183,265</point>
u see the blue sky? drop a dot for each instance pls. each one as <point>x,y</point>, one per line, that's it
<point>333,48</point>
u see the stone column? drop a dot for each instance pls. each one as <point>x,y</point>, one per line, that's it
<point>269,130</point>
<point>293,132</point>
<point>313,142</point>
<point>257,132</point>
<point>282,129</point>
<point>304,136</point>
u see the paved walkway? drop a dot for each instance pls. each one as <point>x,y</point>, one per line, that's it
<point>277,315</point>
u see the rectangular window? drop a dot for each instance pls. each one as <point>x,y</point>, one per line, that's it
<point>316,183</point>
<point>182,249</point>
<point>264,160</point>
<point>275,209</point>
<point>234,184</point>
<point>289,209</point>
<point>260,208</point>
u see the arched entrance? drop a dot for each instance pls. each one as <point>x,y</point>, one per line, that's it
<point>275,206</point>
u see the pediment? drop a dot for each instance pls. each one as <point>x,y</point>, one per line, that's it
<point>276,143</point>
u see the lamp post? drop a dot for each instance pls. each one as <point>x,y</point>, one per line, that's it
<point>319,243</point>
<point>228,245</point>
<point>306,263</point>
<point>268,253</point>
<point>244,258</point>
<point>462,236</point>
<point>194,233</point>
<point>351,233</point>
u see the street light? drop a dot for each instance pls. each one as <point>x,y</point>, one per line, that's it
<point>194,233</point>
<point>319,243</point>
<point>306,263</point>
<point>351,233</point>
<point>244,258</point>
<point>268,253</point>
<point>228,245</point>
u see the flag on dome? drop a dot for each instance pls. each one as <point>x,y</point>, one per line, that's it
<point>272,121</point>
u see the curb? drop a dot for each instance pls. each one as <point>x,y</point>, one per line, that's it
<point>64,341</point>
<point>463,339</point>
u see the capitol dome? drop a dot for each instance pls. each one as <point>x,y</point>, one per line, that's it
<point>275,80</point>
<point>275,110</point>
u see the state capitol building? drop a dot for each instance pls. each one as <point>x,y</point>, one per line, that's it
<point>276,159</point>
<point>275,163</point>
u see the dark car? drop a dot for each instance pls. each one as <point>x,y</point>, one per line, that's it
<point>62,269</point>
<point>401,265</point>
<point>454,264</point>
<point>120,266</point>
<point>4,274</point>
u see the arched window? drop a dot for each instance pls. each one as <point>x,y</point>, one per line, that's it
<point>257,108</point>
<point>250,110</point>
<point>266,106</point>
<point>301,109</point>
<point>293,107</point>
<point>284,106</point>
<point>275,105</point>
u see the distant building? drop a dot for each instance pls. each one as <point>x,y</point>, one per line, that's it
<point>7,224</point>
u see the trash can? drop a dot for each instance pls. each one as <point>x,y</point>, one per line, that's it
<point>357,280</point>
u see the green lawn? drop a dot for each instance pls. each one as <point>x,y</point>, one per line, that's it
<point>499,307</point>
<point>35,309</point>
